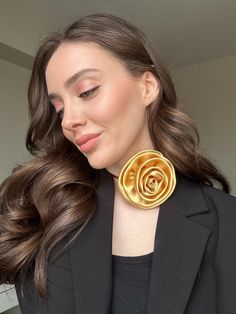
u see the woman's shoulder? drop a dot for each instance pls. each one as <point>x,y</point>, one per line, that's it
<point>223,205</point>
<point>219,205</point>
<point>219,198</point>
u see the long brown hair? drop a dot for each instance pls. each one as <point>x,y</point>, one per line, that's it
<point>54,194</point>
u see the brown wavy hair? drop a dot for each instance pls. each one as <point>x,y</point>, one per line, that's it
<point>54,195</point>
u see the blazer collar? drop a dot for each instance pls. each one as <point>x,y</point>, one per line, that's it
<point>178,251</point>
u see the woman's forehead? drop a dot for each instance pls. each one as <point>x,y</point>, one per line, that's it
<point>81,53</point>
<point>73,57</point>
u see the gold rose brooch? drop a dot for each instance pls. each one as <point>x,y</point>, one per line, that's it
<point>147,179</point>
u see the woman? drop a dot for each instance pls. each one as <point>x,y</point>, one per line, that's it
<point>117,212</point>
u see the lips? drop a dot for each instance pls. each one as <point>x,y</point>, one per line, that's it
<point>84,138</point>
<point>87,142</point>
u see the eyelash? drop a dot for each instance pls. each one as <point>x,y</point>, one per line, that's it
<point>89,92</point>
<point>60,113</point>
<point>85,94</point>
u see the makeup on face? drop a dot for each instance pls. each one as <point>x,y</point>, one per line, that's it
<point>94,93</point>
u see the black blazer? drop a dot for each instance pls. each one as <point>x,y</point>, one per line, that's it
<point>194,261</point>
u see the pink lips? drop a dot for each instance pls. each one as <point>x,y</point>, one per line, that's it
<point>87,142</point>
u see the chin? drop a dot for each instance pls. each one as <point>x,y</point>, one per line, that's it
<point>96,163</point>
<point>99,162</point>
<point>96,166</point>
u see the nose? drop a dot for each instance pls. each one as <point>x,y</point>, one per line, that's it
<point>72,119</point>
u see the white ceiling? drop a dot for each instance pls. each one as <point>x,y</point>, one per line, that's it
<point>185,31</point>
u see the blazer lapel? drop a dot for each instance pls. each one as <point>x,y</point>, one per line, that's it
<point>178,251</point>
<point>91,254</point>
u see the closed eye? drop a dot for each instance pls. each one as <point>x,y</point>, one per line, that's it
<point>88,92</point>
<point>60,113</point>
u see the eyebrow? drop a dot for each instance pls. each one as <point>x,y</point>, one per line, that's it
<point>74,78</point>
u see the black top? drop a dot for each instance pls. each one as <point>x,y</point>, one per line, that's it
<point>130,277</point>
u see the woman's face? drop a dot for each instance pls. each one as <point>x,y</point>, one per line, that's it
<point>94,94</point>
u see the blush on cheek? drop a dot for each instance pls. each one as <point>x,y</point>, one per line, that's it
<point>116,106</point>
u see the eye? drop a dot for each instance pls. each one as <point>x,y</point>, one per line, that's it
<point>88,92</point>
<point>60,113</point>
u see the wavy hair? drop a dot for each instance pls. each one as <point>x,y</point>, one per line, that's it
<point>54,195</point>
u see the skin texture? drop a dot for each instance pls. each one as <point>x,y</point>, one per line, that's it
<point>108,100</point>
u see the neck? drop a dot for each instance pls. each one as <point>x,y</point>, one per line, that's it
<point>115,169</point>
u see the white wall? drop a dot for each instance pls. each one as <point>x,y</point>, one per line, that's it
<point>13,124</point>
<point>208,91</point>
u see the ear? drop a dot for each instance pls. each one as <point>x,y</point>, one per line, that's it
<point>151,87</point>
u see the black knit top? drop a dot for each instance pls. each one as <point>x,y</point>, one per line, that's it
<point>131,278</point>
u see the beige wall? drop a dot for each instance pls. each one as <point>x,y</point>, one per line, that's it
<point>13,123</point>
<point>13,117</point>
<point>208,91</point>
<point>22,25</point>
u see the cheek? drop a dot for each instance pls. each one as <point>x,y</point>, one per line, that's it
<point>116,105</point>
<point>68,135</point>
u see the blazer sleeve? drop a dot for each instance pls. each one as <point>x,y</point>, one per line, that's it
<point>225,252</point>
<point>59,298</point>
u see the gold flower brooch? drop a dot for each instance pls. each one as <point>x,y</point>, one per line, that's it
<point>147,179</point>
